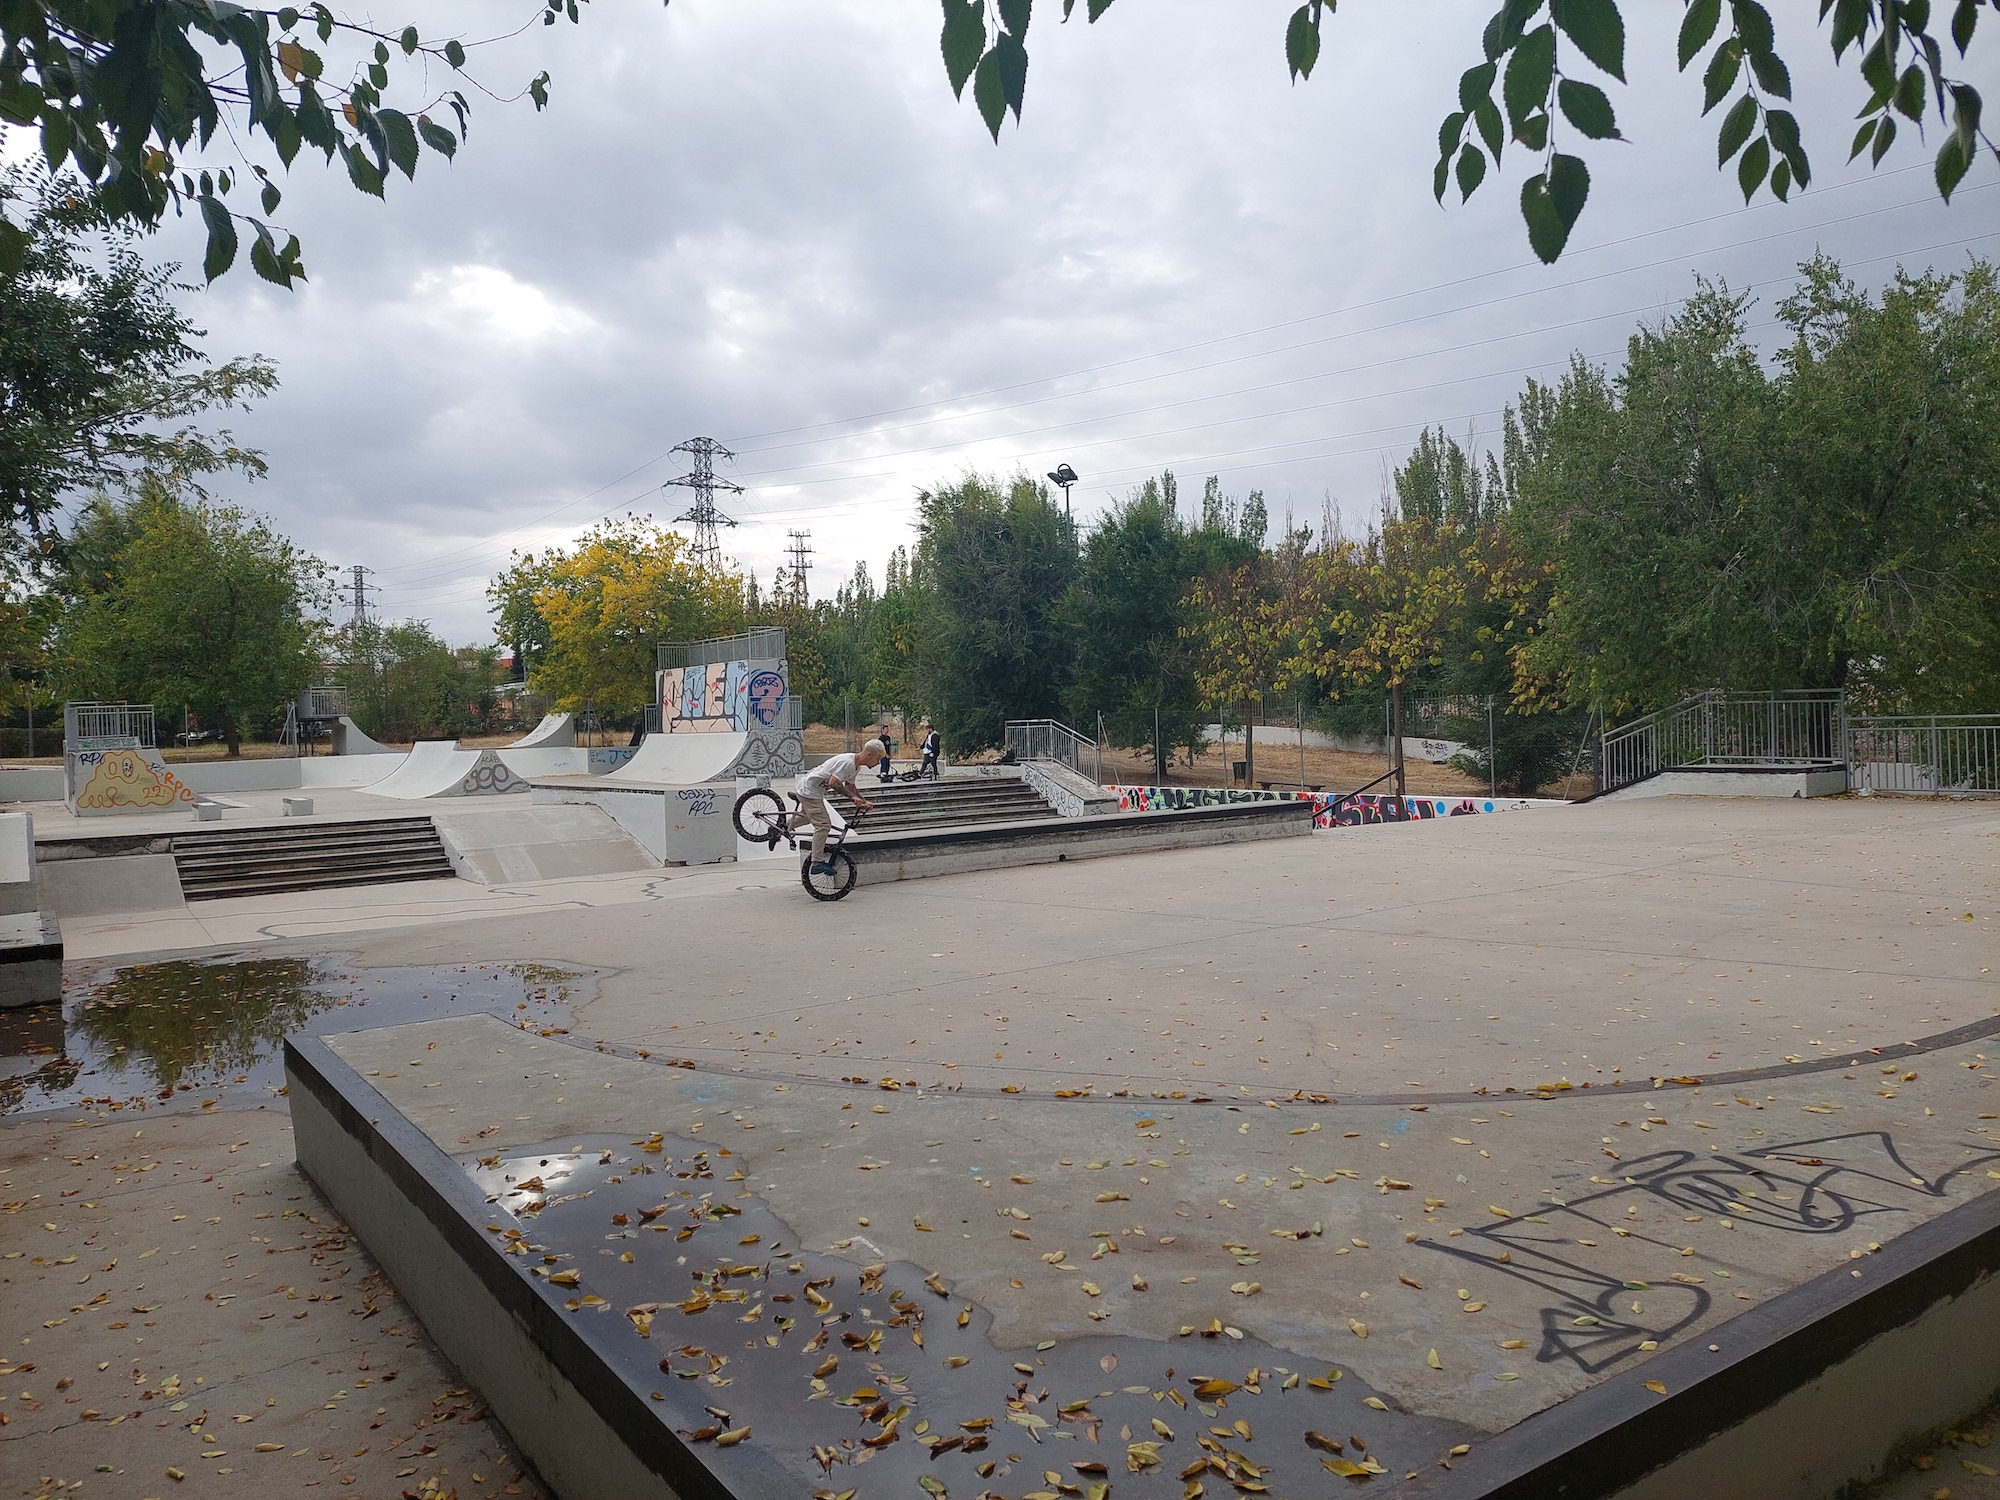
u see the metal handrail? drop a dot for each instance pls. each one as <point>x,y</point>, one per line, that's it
<point>1047,739</point>
<point>1801,728</point>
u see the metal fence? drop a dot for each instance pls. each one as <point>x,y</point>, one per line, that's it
<point>107,726</point>
<point>767,643</point>
<point>1941,753</point>
<point>1716,728</point>
<point>322,703</point>
<point>1047,739</point>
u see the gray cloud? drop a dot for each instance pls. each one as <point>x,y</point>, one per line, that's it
<point>762,219</point>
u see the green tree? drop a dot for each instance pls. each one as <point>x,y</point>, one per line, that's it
<point>1544,56</point>
<point>897,639</point>
<point>517,622</point>
<point>1887,486</point>
<point>1830,523</point>
<point>98,372</point>
<point>1128,615</point>
<point>172,601</point>
<point>405,683</point>
<point>995,563</point>
<point>133,93</point>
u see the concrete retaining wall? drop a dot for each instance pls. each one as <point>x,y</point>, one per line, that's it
<point>1795,1400</point>
<point>31,784</point>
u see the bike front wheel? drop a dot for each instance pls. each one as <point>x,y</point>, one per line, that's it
<point>830,887</point>
<point>756,813</point>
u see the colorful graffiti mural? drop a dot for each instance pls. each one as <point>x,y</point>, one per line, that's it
<point>126,781</point>
<point>721,697</point>
<point>1330,809</point>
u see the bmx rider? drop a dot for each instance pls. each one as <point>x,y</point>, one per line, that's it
<point>841,772</point>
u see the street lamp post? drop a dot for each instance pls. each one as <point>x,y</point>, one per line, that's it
<point>1065,476</point>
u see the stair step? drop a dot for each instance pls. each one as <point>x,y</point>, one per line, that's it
<point>310,856</point>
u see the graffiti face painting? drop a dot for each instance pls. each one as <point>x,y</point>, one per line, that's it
<point>766,697</point>
<point>128,779</point>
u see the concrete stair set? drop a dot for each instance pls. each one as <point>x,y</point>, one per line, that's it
<point>260,861</point>
<point>955,802</point>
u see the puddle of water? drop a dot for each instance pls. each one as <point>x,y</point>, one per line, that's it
<point>698,1295</point>
<point>207,1029</point>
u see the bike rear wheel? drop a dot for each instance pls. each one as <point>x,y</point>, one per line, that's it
<point>756,813</point>
<point>829,887</point>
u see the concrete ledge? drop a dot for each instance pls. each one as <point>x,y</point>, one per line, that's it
<point>1804,1395</point>
<point>913,856</point>
<point>1070,793</point>
<point>1738,781</point>
<point>589,1431</point>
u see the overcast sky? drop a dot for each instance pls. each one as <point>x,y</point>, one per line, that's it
<point>769,222</point>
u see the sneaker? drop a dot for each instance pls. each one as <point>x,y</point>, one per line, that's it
<point>825,869</point>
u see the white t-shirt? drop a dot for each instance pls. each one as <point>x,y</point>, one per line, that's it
<point>840,768</point>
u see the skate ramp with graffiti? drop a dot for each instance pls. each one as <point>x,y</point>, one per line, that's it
<point>438,768</point>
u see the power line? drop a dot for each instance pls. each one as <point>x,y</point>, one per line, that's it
<point>780,514</point>
<point>1247,333</point>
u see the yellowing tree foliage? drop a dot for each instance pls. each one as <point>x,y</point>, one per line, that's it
<point>626,586</point>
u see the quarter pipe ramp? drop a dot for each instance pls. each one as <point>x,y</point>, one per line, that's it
<point>438,768</point>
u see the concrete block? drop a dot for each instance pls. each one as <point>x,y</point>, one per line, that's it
<point>208,812</point>
<point>112,883</point>
<point>31,958</point>
<point>298,807</point>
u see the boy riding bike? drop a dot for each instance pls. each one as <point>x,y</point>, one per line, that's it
<point>842,773</point>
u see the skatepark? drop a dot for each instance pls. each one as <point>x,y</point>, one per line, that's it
<point>1639,1147</point>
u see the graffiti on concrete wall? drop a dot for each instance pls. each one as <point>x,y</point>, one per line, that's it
<point>721,697</point>
<point>125,781</point>
<point>1330,810</point>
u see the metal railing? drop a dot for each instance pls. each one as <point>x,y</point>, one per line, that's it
<point>1717,728</point>
<point>107,726</point>
<point>1049,739</point>
<point>766,643</point>
<point>322,703</point>
<point>1950,754</point>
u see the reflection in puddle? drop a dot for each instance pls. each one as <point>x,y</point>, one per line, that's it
<point>135,1037</point>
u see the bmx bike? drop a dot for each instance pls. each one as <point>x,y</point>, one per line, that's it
<point>760,815</point>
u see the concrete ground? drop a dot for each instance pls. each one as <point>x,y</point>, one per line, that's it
<point>1048,1035</point>
<point>186,1315</point>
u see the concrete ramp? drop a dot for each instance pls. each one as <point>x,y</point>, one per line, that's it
<point>348,739</point>
<point>551,760</point>
<point>525,842</point>
<point>555,730</point>
<point>683,759</point>
<point>438,768</point>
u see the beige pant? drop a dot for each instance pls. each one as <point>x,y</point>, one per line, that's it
<point>813,810</point>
